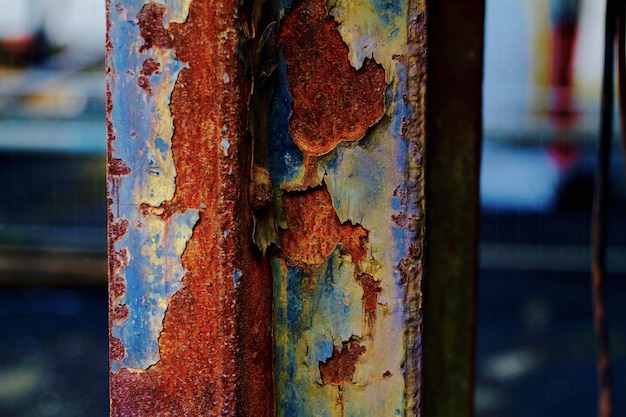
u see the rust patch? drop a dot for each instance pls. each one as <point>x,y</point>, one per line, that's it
<point>117,286</point>
<point>332,101</point>
<point>150,66</point>
<point>116,348</point>
<point>150,20</point>
<point>165,210</point>
<point>117,167</point>
<point>339,368</point>
<point>371,291</point>
<point>119,259</point>
<point>208,365</point>
<point>314,230</point>
<point>120,312</point>
<point>118,229</point>
<point>144,83</point>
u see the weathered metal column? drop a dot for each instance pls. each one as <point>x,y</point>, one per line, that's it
<point>266,206</point>
<point>345,155</point>
<point>183,341</point>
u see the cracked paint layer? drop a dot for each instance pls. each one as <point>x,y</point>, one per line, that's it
<point>348,213</point>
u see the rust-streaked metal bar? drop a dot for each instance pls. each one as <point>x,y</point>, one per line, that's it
<point>190,299</point>
<point>345,153</point>
<point>604,367</point>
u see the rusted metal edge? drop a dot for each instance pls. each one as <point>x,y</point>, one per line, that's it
<point>213,347</point>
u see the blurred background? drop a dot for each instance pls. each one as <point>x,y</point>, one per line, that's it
<point>541,115</point>
<point>535,345</point>
<point>53,297</point>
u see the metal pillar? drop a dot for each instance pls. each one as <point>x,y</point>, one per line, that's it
<point>266,207</point>
<point>453,113</point>
<point>185,280</point>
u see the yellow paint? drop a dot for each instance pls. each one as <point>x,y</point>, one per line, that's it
<point>368,35</point>
<point>178,10</point>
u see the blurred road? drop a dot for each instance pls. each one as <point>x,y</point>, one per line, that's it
<point>535,344</point>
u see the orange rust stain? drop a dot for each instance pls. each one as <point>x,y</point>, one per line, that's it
<point>371,291</point>
<point>118,229</point>
<point>151,26</point>
<point>149,67</point>
<point>314,230</point>
<point>120,313</point>
<point>117,286</point>
<point>117,167</point>
<point>332,101</point>
<point>340,367</point>
<point>116,349</point>
<point>207,363</point>
<point>144,83</point>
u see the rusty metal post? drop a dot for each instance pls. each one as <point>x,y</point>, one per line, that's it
<point>266,207</point>
<point>345,156</point>
<point>185,280</point>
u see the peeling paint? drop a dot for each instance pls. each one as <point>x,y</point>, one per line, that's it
<point>313,230</point>
<point>374,29</point>
<point>152,276</point>
<point>332,102</point>
<point>184,283</point>
<point>334,184</point>
<point>339,368</point>
<point>340,291</point>
<point>155,271</point>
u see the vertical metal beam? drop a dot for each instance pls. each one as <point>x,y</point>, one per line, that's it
<point>345,154</point>
<point>185,279</point>
<point>453,154</point>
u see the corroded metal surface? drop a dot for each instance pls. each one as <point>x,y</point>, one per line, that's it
<point>323,148</point>
<point>344,152</point>
<point>332,102</point>
<point>185,282</point>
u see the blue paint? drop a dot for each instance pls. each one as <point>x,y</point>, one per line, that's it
<point>162,146</point>
<point>324,350</point>
<point>389,10</point>
<point>146,282</point>
<point>295,321</point>
<point>237,277</point>
<point>285,159</point>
